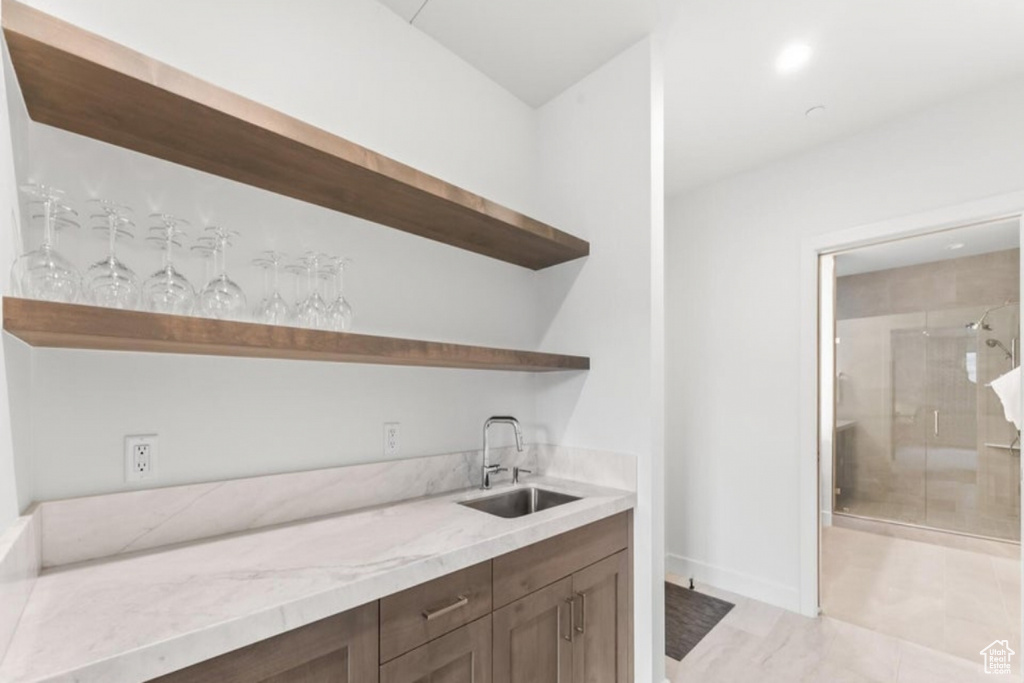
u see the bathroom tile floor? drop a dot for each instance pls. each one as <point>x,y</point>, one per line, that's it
<point>949,599</point>
<point>761,643</point>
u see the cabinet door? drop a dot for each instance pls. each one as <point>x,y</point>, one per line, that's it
<point>462,656</point>
<point>532,637</point>
<point>339,649</point>
<point>601,621</point>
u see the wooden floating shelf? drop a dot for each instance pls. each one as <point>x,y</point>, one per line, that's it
<point>86,84</point>
<point>73,326</point>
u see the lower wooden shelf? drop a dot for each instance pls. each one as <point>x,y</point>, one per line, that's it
<point>73,326</point>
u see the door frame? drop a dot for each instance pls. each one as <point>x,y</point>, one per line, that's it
<point>991,208</point>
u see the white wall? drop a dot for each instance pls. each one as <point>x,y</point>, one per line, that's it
<point>15,480</point>
<point>733,301</point>
<point>601,173</point>
<point>356,69</point>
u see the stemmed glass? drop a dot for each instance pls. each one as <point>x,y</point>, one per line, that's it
<point>273,309</point>
<point>339,312</point>
<point>312,311</point>
<point>222,298</point>
<point>167,290</point>
<point>109,282</point>
<point>44,273</point>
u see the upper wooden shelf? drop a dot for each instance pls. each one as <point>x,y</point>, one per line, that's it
<point>73,326</point>
<point>81,82</point>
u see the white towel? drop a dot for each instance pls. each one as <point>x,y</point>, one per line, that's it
<point>1007,388</point>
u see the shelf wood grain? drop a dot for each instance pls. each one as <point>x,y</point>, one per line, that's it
<point>73,326</point>
<point>86,84</point>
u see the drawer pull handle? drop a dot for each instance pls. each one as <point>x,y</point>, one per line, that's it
<point>431,614</point>
<point>582,627</point>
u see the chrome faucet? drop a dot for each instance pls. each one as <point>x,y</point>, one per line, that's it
<point>489,469</point>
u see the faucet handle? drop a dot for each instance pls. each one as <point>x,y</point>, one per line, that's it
<point>516,471</point>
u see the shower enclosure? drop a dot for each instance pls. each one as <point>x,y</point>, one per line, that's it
<point>920,437</point>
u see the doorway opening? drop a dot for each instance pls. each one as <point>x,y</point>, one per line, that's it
<point>920,466</point>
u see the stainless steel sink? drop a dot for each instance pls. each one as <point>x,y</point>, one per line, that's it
<point>520,502</point>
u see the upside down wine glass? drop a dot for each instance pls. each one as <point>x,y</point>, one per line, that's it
<point>311,312</point>
<point>110,282</point>
<point>339,312</point>
<point>273,309</point>
<point>167,290</point>
<point>44,273</point>
<point>222,298</point>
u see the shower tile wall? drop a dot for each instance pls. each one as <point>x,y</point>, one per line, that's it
<point>888,323</point>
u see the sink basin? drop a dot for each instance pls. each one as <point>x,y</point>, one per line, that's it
<point>520,502</point>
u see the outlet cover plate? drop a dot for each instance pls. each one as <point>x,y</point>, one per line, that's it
<point>140,457</point>
<point>391,436</point>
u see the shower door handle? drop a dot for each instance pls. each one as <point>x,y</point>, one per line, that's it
<point>935,422</point>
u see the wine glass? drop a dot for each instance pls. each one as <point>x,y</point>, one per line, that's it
<point>273,309</point>
<point>109,282</point>
<point>167,290</point>
<point>339,312</point>
<point>222,298</point>
<point>312,311</point>
<point>44,273</point>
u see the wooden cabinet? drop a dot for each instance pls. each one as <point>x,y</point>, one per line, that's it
<point>574,631</point>
<point>462,656</point>
<point>339,649</point>
<point>601,631</point>
<point>533,637</point>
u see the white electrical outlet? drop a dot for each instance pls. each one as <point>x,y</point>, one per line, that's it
<point>140,454</point>
<point>390,438</point>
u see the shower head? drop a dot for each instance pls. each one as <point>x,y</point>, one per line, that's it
<point>993,343</point>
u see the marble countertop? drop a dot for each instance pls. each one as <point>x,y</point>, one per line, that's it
<point>134,617</point>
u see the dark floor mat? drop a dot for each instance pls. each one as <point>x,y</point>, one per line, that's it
<point>689,616</point>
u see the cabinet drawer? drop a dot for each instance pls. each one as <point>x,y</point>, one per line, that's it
<point>462,656</point>
<point>422,613</point>
<point>524,571</point>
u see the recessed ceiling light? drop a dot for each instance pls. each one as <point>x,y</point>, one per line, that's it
<point>793,58</point>
<point>953,246</point>
<point>815,112</point>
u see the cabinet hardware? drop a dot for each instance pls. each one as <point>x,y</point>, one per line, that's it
<point>572,617</point>
<point>935,418</point>
<point>582,628</point>
<point>431,614</point>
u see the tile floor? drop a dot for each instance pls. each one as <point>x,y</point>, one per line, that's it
<point>949,599</point>
<point>760,643</point>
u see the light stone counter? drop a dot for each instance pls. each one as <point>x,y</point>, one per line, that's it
<point>136,616</point>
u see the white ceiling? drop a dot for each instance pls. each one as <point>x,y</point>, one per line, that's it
<point>533,48</point>
<point>727,109</point>
<point>976,239</point>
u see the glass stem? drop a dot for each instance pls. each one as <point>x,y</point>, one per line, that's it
<point>48,222</point>
<point>112,237</point>
<point>222,267</point>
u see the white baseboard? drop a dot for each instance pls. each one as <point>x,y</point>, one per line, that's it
<point>780,595</point>
<point>826,518</point>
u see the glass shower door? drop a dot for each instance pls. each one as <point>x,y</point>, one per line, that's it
<point>951,431</point>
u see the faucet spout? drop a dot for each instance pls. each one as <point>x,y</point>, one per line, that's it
<point>488,469</point>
